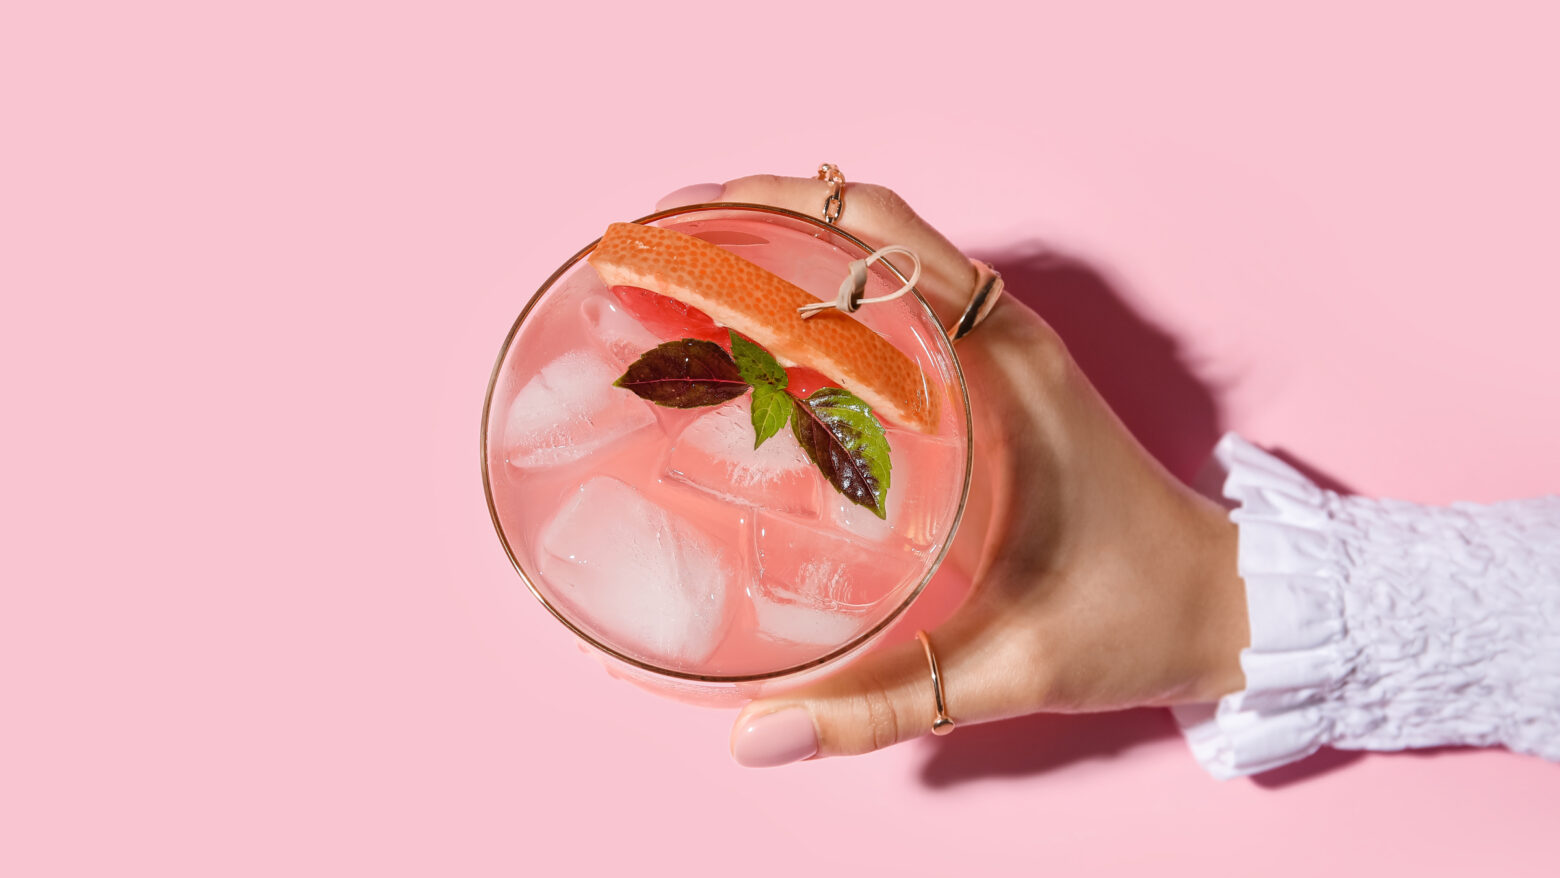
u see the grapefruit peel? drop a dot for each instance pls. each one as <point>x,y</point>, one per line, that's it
<point>747,298</point>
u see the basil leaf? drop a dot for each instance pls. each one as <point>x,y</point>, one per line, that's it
<point>758,366</point>
<point>684,374</point>
<point>846,442</point>
<point>771,410</point>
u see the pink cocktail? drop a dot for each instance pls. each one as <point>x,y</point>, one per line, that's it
<point>694,561</point>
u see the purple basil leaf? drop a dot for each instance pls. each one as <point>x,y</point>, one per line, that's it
<point>844,439</point>
<point>684,374</point>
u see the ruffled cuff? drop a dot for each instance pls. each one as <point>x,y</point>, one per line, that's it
<point>1298,646</point>
<point>1384,625</point>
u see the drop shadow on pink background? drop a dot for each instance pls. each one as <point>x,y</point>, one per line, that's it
<point>1138,367</point>
<point>1037,744</point>
<point>1141,370</point>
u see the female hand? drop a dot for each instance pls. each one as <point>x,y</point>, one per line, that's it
<point>1100,581</point>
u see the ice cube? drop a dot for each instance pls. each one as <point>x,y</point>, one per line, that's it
<point>715,453</point>
<point>570,409</point>
<point>649,582</point>
<point>793,620</point>
<point>927,478</point>
<point>620,335</point>
<point>816,586</point>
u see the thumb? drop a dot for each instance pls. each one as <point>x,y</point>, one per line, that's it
<point>884,698</point>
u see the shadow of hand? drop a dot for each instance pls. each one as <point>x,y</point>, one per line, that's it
<point>1138,367</point>
<point>1039,743</point>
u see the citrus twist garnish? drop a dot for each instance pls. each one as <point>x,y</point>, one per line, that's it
<point>762,306</point>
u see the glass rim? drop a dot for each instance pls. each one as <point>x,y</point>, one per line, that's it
<point>840,652</point>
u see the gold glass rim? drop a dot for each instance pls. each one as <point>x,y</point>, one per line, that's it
<point>855,642</point>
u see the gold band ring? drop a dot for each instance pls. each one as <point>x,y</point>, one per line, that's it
<point>942,724</point>
<point>988,289</point>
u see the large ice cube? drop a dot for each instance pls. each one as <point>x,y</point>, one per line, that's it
<point>716,453</point>
<point>619,334</point>
<point>646,580</point>
<point>818,587</point>
<point>570,409</point>
<point>927,478</point>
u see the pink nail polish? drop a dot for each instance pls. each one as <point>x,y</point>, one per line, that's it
<point>698,193</point>
<point>778,738</point>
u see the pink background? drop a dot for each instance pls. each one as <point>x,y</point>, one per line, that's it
<point>256,265</point>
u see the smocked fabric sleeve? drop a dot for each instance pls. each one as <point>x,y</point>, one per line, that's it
<point>1384,625</point>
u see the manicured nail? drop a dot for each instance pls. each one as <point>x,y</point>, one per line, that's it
<point>778,738</point>
<point>698,193</point>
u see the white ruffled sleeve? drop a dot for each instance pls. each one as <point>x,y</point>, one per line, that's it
<point>1384,625</point>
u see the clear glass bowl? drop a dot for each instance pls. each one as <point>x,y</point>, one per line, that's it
<point>814,256</point>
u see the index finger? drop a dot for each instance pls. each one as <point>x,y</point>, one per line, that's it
<point>879,217</point>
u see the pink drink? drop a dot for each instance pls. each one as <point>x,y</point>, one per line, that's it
<point>661,534</point>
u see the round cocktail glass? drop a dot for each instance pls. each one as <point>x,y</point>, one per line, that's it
<point>693,564</point>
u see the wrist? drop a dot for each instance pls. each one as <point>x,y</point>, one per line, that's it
<point>1223,628</point>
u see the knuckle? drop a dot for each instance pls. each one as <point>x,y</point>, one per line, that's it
<point>1052,359</point>
<point>874,722</point>
<point>1049,359</point>
<point>883,202</point>
<point>882,720</point>
<point>1047,664</point>
<point>1029,346</point>
<point>754,185</point>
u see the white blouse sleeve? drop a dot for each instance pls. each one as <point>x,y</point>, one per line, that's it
<point>1384,625</point>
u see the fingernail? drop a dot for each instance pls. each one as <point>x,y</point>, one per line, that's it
<point>698,193</point>
<point>778,738</point>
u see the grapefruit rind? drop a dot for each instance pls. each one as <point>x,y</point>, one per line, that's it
<point>761,305</point>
